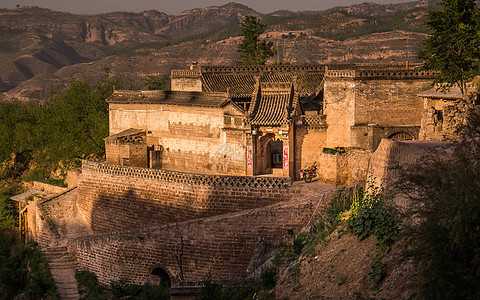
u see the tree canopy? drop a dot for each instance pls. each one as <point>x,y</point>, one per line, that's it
<point>252,50</point>
<point>453,44</point>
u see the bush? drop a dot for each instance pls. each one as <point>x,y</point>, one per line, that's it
<point>370,216</point>
<point>89,288</point>
<point>268,277</point>
<point>23,270</point>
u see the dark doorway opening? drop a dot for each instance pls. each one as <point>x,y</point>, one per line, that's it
<point>160,277</point>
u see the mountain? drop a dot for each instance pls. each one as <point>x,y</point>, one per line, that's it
<point>41,49</point>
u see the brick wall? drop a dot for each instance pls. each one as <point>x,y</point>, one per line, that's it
<point>222,245</point>
<point>389,102</point>
<point>188,84</point>
<point>339,106</point>
<point>130,197</point>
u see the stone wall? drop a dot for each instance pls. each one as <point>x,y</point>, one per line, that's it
<point>206,140</point>
<point>116,197</point>
<point>347,168</point>
<point>391,156</point>
<point>310,139</point>
<point>441,118</point>
<point>186,80</point>
<point>222,245</point>
<point>356,99</point>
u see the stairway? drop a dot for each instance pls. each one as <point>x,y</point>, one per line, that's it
<point>62,268</point>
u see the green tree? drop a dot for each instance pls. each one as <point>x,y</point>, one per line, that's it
<point>154,82</point>
<point>252,50</point>
<point>18,127</point>
<point>453,44</point>
<point>77,120</point>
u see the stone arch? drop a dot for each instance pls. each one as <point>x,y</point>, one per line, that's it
<point>159,276</point>
<point>401,136</point>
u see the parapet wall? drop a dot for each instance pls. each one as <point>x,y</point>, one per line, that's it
<point>222,245</point>
<point>115,198</point>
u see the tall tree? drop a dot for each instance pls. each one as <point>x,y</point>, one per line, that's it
<point>253,50</point>
<point>453,44</point>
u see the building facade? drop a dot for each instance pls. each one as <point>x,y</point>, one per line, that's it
<point>267,120</point>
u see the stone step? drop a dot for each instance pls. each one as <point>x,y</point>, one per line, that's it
<point>62,268</point>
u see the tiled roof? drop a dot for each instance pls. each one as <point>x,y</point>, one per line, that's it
<point>236,85</point>
<point>240,82</point>
<point>207,99</point>
<point>34,191</point>
<point>126,133</point>
<point>272,105</point>
<point>454,93</point>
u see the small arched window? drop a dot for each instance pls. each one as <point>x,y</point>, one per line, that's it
<point>401,136</point>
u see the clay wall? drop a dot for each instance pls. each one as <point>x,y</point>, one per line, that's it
<point>348,168</point>
<point>357,99</point>
<point>222,245</point>
<point>113,197</point>
<point>186,80</point>
<point>391,155</point>
<point>310,139</point>
<point>389,102</point>
<point>205,140</point>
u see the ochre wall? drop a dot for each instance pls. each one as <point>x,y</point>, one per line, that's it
<point>389,102</point>
<point>339,106</point>
<point>222,245</point>
<point>123,198</point>
<point>309,144</point>
<point>187,84</point>
<point>204,140</point>
<point>353,103</point>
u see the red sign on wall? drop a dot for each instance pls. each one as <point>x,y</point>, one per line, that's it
<point>249,157</point>
<point>285,157</point>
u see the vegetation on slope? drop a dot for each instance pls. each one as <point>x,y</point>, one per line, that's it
<point>39,142</point>
<point>89,288</point>
<point>446,208</point>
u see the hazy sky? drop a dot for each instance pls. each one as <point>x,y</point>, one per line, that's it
<point>177,6</point>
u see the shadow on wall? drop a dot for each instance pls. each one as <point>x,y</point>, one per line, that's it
<point>121,203</point>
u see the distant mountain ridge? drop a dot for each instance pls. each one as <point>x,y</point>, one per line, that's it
<point>40,48</point>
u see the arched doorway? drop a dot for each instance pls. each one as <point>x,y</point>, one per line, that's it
<point>160,277</point>
<point>269,153</point>
<point>401,136</point>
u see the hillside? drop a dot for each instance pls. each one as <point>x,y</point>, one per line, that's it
<point>40,49</point>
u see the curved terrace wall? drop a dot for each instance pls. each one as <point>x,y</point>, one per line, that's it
<point>114,197</point>
<point>222,245</point>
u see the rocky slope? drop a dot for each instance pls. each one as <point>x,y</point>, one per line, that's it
<point>40,49</point>
<point>340,270</point>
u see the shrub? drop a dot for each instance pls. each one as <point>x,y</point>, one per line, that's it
<point>370,216</point>
<point>268,277</point>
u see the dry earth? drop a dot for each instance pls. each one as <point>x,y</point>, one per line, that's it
<point>339,270</point>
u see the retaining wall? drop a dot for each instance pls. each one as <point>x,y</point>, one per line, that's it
<point>222,245</point>
<point>114,197</point>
